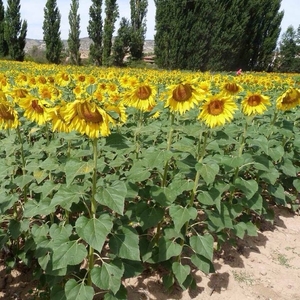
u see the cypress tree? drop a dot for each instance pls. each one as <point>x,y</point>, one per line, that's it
<point>261,34</point>
<point>288,60</point>
<point>15,30</point>
<point>74,33</point>
<point>121,42</point>
<point>138,9</point>
<point>3,43</point>
<point>95,32</point>
<point>111,15</point>
<point>51,28</point>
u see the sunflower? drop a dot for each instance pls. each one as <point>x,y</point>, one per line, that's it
<point>184,96</point>
<point>35,109</point>
<point>288,100</point>
<point>231,88</point>
<point>141,96</point>
<point>87,117</point>
<point>8,115</point>
<point>217,109</point>
<point>255,103</point>
<point>58,122</point>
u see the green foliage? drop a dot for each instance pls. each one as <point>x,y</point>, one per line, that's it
<point>92,212</point>
<point>15,31</point>
<point>121,42</point>
<point>74,33</point>
<point>138,10</point>
<point>95,32</point>
<point>210,35</point>
<point>51,32</point>
<point>3,43</point>
<point>111,15</point>
<point>288,59</point>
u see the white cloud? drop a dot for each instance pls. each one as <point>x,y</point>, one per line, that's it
<point>33,12</point>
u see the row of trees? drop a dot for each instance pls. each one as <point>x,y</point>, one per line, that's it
<point>217,35</point>
<point>103,51</point>
<point>190,34</point>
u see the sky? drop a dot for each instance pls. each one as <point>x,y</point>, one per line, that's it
<point>33,12</point>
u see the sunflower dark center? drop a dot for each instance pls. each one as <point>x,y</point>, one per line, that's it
<point>216,107</point>
<point>5,113</point>
<point>143,92</point>
<point>231,87</point>
<point>85,112</point>
<point>254,100</point>
<point>182,92</point>
<point>36,107</point>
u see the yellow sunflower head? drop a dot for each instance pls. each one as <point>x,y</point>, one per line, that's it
<point>183,97</point>
<point>288,100</point>
<point>231,88</point>
<point>8,116</point>
<point>217,109</point>
<point>255,103</point>
<point>86,117</point>
<point>141,96</point>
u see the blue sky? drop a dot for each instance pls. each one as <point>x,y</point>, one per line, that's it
<point>33,12</point>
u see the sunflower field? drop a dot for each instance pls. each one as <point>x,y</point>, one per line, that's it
<point>106,173</point>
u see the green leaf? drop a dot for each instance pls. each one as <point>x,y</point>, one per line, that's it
<point>202,263</point>
<point>113,196</point>
<point>211,197</point>
<point>149,216</point>
<point>78,291</point>
<point>168,249</point>
<point>249,187</point>
<point>94,231</point>
<point>57,293</point>
<point>276,153</point>
<point>296,184</point>
<point>40,175</point>
<point>138,173</point>
<point>120,295</point>
<point>23,180</point>
<point>208,171</point>
<point>132,268</point>
<point>218,220</point>
<point>203,245</point>
<point>180,271</point>
<point>66,196</point>
<point>43,207</point>
<point>108,276</point>
<point>75,167</point>
<point>157,158</point>
<point>125,243</point>
<point>288,168</point>
<point>180,215</point>
<point>165,196</point>
<point>46,188</point>
<point>68,253</point>
<point>49,164</point>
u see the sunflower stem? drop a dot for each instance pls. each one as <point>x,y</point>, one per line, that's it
<point>22,161</point>
<point>93,209</point>
<point>165,175</point>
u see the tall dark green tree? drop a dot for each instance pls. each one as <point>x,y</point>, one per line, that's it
<point>121,42</point>
<point>138,9</point>
<point>288,59</point>
<point>3,43</point>
<point>262,33</point>
<point>95,32</point>
<point>216,35</point>
<point>74,33</point>
<point>111,15</point>
<point>51,28</point>
<point>15,30</point>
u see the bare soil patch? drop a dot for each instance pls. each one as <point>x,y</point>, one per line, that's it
<point>266,267</point>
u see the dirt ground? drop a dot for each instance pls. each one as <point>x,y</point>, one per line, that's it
<point>266,267</point>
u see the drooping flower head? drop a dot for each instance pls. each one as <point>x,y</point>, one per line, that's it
<point>8,115</point>
<point>183,97</point>
<point>255,103</point>
<point>35,109</point>
<point>86,117</point>
<point>288,100</point>
<point>231,88</point>
<point>217,109</point>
